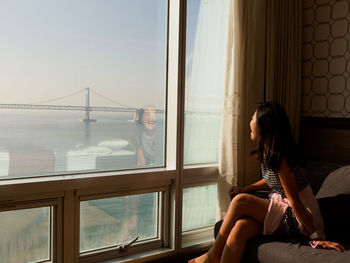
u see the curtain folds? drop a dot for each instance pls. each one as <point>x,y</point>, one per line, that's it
<point>283,57</point>
<point>244,87</point>
<point>263,63</point>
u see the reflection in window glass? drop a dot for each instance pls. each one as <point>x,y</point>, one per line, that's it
<point>205,69</point>
<point>199,207</point>
<point>114,221</point>
<point>25,235</point>
<point>77,85</point>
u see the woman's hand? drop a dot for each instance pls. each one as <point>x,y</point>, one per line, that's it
<point>141,160</point>
<point>331,245</point>
<point>235,190</point>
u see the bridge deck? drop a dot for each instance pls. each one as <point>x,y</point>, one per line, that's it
<point>68,107</point>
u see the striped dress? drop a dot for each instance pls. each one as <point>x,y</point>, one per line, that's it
<point>280,210</point>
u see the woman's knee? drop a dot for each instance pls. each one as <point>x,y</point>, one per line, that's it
<point>246,205</point>
<point>241,200</point>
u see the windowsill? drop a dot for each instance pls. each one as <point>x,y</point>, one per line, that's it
<point>150,178</point>
<point>144,256</point>
<point>196,166</point>
<point>71,177</point>
<point>78,176</point>
<point>195,245</point>
<point>199,238</point>
<point>88,175</point>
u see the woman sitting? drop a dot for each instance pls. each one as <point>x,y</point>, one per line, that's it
<point>291,209</point>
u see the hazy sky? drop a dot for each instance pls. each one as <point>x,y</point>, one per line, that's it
<point>51,48</point>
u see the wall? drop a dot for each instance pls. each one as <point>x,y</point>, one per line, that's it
<point>326,58</point>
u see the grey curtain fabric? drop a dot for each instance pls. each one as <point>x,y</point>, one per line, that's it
<point>283,56</point>
<point>263,63</point>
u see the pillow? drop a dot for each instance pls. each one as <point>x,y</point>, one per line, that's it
<point>336,183</point>
<point>90,151</point>
<point>114,144</point>
<point>317,171</point>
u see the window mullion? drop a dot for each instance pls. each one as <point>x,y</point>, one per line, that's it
<point>69,228</point>
<point>180,121</point>
<point>200,176</point>
<point>58,232</point>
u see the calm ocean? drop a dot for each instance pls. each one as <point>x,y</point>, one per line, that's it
<point>63,141</point>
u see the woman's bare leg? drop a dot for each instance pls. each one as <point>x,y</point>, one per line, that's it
<point>243,230</point>
<point>242,205</point>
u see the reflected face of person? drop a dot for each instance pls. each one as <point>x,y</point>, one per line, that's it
<point>149,119</point>
<point>255,130</point>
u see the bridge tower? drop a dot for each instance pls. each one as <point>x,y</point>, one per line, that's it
<point>87,107</point>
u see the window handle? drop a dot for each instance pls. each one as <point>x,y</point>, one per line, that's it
<point>125,247</point>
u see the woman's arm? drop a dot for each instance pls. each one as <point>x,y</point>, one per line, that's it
<point>141,161</point>
<point>305,218</point>
<point>259,185</point>
<point>288,183</point>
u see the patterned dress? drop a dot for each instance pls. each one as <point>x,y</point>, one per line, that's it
<point>289,219</point>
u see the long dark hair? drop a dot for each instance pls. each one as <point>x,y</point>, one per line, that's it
<point>276,138</point>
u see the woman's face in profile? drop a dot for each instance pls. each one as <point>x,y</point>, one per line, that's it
<point>149,119</point>
<point>255,131</point>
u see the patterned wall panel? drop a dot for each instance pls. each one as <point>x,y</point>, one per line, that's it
<point>326,58</point>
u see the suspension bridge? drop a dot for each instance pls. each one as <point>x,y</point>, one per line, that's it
<point>87,108</point>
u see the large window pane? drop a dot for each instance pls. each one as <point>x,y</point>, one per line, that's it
<point>25,235</point>
<point>113,221</point>
<point>205,69</point>
<point>199,207</point>
<point>83,85</point>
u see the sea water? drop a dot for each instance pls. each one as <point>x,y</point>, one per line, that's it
<point>34,143</point>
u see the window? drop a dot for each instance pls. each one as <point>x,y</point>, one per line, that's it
<point>197,216</point>
<point>102,122</point>
<point>85,86</point>
<point>205,66</point>
<point>29,231</point>
<point>109,222</point>
<point>25,235</point>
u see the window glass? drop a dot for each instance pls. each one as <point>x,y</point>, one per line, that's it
<point>25,235</point>
<point>83,85</point>
<point>114,221</point>
<point>205,69</point>
<point>199,207</point>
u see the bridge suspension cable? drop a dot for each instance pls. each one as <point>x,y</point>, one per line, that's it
<point>111,100</point>
<point>58,98</point>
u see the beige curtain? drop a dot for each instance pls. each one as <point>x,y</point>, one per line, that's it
<point>244,87</point>
<point>263,62</point>
<point>283,57</point>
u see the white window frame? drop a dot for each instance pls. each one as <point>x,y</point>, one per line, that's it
<point>68,190</point>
